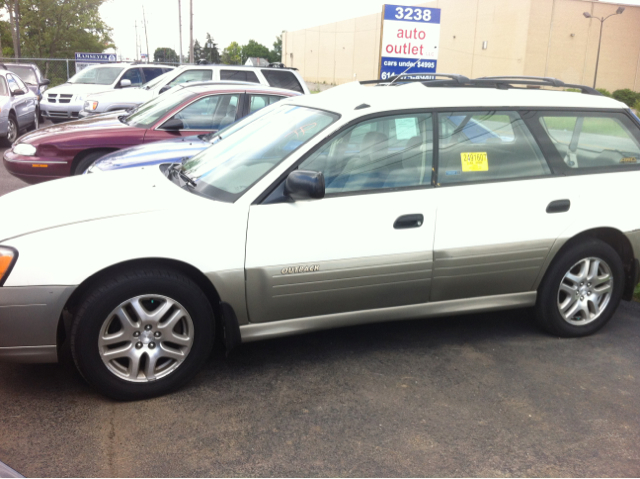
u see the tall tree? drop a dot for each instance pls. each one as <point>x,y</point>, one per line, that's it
<point>210,50</point>
<point>254,49</point>
<point>275,55</point>
<point>58,28</point>
<point>165,54</point>
<point>197,51</point>
<point>232,55</point>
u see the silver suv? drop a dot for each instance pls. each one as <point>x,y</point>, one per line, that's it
<point>286,78</point>
<point>356,205</point>
<point>65,101</point>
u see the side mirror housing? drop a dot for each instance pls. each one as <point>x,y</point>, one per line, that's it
<point>164,88</point>
<point>45,82</point>
<point>304,184</point>
<point>125,83</point>
<point>18,92</point>
<point>173,124</point>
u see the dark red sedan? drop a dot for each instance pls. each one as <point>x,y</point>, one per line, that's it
<point>70,148</point>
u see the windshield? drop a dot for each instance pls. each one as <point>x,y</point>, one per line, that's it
<point>97,75</point>
<point>149,113</point>
<point>25,73</point>
<point>151,83</point>
<point>228,168</point>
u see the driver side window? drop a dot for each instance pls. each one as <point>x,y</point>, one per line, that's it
<point>212,112</point>
<point>191,75</point>
<point>382,153</point>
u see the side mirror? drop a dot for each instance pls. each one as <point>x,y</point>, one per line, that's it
<point>303,184</point>
<point>164,88</point>
<point>45,82</point>
<point>18,92</point>
<point>125,83</point>
<point>173,124</point>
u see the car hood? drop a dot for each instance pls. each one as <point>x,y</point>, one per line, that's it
<point>79,199</point>
<point>79,88</point>
<point>97,122</point>
<point>133,95</point>
<point>167,151</point>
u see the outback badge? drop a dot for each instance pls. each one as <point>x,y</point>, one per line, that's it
<point>310,268</point>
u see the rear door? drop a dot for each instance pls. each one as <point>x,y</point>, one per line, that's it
<point>366,245</point>
<point>500,207</point>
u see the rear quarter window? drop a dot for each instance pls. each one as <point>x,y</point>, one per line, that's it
<point>282,79</point>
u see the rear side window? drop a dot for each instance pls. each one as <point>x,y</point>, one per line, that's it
<point>588,140</point>
<point>239,75</point>
<point>486,145</point>
<point>282,79</point>
<point>151,73</point>
<point>191,75</point>
<point>257,102</point>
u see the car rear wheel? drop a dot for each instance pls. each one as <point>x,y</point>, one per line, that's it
<point>581,290</point>
<point>142,334</point>
<point>12,130</point>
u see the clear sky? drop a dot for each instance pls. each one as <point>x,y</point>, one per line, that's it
<point>227,20</point>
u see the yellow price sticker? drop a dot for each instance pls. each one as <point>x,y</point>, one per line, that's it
<point>476,161</point>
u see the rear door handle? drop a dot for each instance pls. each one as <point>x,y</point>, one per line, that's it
<point>408,221</point>
<point>559,206</point>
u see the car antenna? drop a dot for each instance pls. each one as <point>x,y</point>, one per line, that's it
<point>409,67</point>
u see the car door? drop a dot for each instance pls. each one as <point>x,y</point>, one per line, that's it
<point>500,207</point>
<point>366,245</point>
<point>205,114</point>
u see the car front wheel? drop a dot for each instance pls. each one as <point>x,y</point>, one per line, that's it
<point>142,334</point>
<point>581,290</point>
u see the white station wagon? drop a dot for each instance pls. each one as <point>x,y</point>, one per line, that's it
<point>357,205</point>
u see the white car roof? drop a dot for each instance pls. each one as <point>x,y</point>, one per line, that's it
<point>345,98</point>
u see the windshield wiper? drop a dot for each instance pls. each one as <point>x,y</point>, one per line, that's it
<point>176,168</point>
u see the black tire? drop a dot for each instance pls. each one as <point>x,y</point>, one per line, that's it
<point>547,307</point>
<point>95,310</point>
<point>11,137</point>
<point>87,161</point>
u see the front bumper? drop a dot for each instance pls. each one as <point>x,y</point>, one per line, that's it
<point>36,169</point>
<point>29,318</point>
<point>60,111</point>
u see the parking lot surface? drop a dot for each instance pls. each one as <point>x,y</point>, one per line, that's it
<point>475,395</point>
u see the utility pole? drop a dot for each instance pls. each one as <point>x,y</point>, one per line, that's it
<point>191,31</point>
<point>145,32</point>
<point>135,23</point>
<point>17,4</point>
<point>180,29</point>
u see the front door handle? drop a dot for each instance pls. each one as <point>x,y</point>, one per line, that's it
<point>559,206</point>
<point>408,221</point>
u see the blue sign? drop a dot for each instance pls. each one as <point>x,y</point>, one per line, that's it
<point>96,57</point>
<point>410,39</point>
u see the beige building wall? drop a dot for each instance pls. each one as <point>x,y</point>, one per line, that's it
<point>523,37</point>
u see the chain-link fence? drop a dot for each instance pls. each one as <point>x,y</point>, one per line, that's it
<point>58,70</point>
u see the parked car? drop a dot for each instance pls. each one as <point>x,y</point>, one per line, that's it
<point>176,150</point>
<point>288,79</point>
<point>18,107</point>
<point>69,149</point>
<point>31,75</point>
<point>352,206</point>
<point>65,101</point>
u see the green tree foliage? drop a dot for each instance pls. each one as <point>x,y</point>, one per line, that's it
<point>232,55</point>
<point>6,39</point>
<point>59,28</point>
<point>165,54</point>
<point>210,51</point>
<point>275,55</point>
<point>254,49</point>
<point>604,91</point>
<point>629,97</point>
<point>197,51</point>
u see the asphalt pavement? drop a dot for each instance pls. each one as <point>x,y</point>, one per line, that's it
<point>474,395</point>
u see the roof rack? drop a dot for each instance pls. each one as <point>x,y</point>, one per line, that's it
<point>451,76</point>
<point>499,82</point>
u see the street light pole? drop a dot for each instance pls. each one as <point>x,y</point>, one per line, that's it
<point>601,20</point>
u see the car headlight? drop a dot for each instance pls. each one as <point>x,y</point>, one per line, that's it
<point>90,105</point>
<point>24,149</point>
<point>8,257</point>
